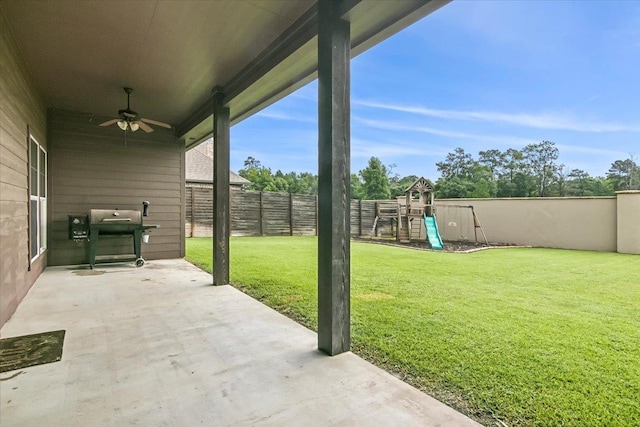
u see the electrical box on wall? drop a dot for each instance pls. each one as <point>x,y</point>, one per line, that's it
<point>78,227</point>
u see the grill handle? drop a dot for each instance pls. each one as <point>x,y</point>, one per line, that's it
<point>145,208</point>
<point>116,220</point>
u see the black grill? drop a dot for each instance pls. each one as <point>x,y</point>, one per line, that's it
<point>107,222</point>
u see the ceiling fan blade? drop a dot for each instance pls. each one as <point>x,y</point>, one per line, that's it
<point>157,123</point>
<point>145,127</point>
<point>108,122</point>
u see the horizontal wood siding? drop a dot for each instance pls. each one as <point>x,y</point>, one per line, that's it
<point>385,227</point>
<point>355,218</point>
<point>245,213</point>
<point>201,219</point>
<point>304,214</point>
<point>255,213</point>
<point>275,214</point>
<point>21,108</point>
<point>94,167</point>
<point>368,216</point>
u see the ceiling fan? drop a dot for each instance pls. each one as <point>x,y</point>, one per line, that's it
<point>128,119</point>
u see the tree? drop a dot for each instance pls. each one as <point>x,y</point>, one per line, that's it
<point>484,183</point>
<point>624,174</point>
<point>457,164</point>
<point>260,176</point>
<point>520,183</point>
<point>463,176</point>
<point>307,183</point>
<point>375,181</point>
<point>560,187</point>
<point>600,186</point>
<point>530,172</point>
<point>399,185</point>
<point>578,181</point>
<point>252,162</point>
<point>494,159</point>
<point>510,171</point>
<point>357,189</point>
<point>453,188</point>
<point>540,159</point>
<point>479,183</point>
<point>263,180</point>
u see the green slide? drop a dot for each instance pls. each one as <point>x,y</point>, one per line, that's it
<point>432,232</point>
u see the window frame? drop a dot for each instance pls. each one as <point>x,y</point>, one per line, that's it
<point>37,191</point>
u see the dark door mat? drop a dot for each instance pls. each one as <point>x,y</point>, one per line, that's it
<point>30,350</point>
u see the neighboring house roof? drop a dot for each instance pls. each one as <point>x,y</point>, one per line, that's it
<point>199,165</point>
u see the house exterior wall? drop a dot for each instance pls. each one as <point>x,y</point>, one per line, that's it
<point>94,167</point>
<point>21,111</point>
<point>585,223</point>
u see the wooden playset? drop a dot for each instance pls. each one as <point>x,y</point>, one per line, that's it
<point>412,217</point>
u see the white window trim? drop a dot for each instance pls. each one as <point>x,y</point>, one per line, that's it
<point>40,234</point>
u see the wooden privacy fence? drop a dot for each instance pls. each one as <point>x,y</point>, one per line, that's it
<point>257,213</point>
<point>586,223</point>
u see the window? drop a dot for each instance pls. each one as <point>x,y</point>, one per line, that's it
<point>37,198</point>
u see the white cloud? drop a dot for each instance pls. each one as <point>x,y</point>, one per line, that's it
<point>279,115</point>
<point>506,140</point>
<point>539,121</point>
<point>367,148</point>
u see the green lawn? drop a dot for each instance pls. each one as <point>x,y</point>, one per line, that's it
<point>524,336</point>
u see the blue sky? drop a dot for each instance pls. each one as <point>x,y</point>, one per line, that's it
<point>477,75</point>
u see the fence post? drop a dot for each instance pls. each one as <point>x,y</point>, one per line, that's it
<point>360,218</point>
<point>260,219</point>
<point>193,210</point>
<point>291,214</point>
<point>375,231</point>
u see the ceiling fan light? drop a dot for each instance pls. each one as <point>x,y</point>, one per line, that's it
<point>134,126</point>
<point>122,124</point>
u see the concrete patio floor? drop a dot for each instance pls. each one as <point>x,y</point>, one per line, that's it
<point>160,346</point>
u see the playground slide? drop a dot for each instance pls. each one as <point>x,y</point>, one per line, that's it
<point>432,232</point>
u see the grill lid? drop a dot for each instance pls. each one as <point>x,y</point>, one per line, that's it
<point>114,217</point>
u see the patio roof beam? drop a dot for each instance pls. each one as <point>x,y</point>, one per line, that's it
<point>202,114</point>
<point>292,39</point>
<point>334,54</point>
<point>301,32</point>
<point>221,205</point>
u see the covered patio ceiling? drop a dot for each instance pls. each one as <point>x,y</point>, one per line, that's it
<point>174,53</point>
